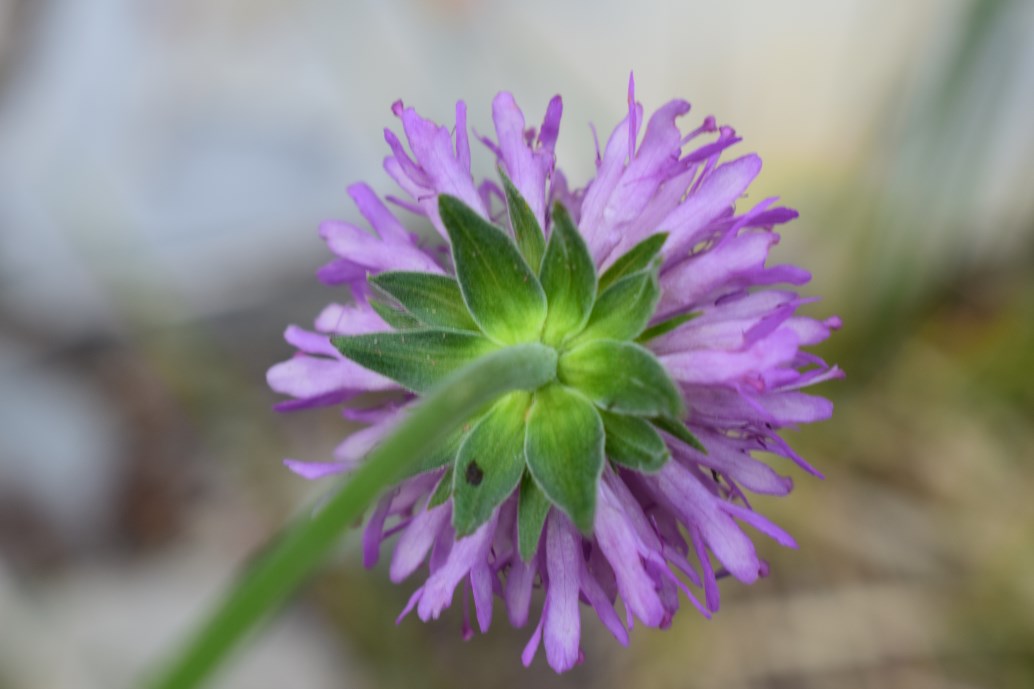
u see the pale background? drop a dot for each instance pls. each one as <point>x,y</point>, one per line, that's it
<point>163,167</point>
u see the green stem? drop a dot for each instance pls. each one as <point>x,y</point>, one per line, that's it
<point>288,561</point>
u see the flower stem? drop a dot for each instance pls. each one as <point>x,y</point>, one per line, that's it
<point>299,549</point>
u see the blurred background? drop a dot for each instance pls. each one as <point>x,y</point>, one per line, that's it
<point>163,168</point>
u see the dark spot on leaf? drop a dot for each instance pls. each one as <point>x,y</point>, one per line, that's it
<point>714,475</point>
<point>474,474</point>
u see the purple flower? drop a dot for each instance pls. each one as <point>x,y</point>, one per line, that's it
<point>725,334</point>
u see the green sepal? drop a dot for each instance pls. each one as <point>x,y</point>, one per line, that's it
<point>621,377</point>
<point>634,443</point>
<point>443,491</point>
<point>675,427</point>
<point>434,300</point>
<point>396,318</point>
<point>532,509</point>
<point>564,450</point>
<point>569,279</point>
<point>623,309</point>
<point>500,290</point>
<point>415,359</point>
<point>635,259</point>
<point>526,229</point>
<point>666,326</point>
<point>489,464</point>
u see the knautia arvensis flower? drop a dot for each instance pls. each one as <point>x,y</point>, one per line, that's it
<point>626,476</point>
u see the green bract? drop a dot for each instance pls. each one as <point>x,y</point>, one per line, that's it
<point>609,399</point>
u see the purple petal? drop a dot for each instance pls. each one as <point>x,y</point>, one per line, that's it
<point>481,583</point>
<point>710,367</point>
<point>597,197</point>
<point>711,592</point>
<point>655,164</point>
<point>526,172</point>
<point>813,378</point>
<point>532,647</point>
<point>315,470</point>
<point>406,165</point>
<point>462,139</point>
<point>721,335</point>
<point>416,541</point>
<point>562,624</point>
<point>789,408</point>
<point>374,532</point>
<point>750,473</point>
<point>698,508</point>
<point>810,331</point>
<point>410,604</point>
<point>362,248</point>
<point>377,214</point>
<point>341,271</point>
<point>550,128</point>
<point>355,319</point>
<point>717,194</point>
<point>618,542</point>
<point>310,342</point>
<point>464,555</point>
<point>307,377</point>
<point>761,524</point>
<point>633,128</point>
<point>325,400</point>
<point>518,591</point>
<point>599,601</point>
<point>691,281</point>
<point>359,443</point>
<point>444,171</point>
<point>750,305</point>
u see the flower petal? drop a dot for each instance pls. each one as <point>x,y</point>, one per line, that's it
<point>710,367</point>
<point>716,194</point>
<point>526,172</point>
<point>315,470</point>
<point>306,376</point>
<point>519,582</point>
<point>562,623</point>
<point>481,584</point>
<point>618,542</point>
<point>465,554</point>
<point>416,541</point>
<point>699,509</point>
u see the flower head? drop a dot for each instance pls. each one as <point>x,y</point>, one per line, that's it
<point>626,476</point>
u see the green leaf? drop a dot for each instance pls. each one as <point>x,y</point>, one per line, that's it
<point>666,326</point>
<point>675,427</point>
<point>622,377</point>
<point>489,464</point>
<point>396,318</point>
<point>568,277</point>
<point>416,359</point>
<point>623,309</point>
<point>500,290</point>
<point>633,442</point>
<point>564,449</point>
<point>443,491</point>
<point>433,299</point>
<point>532,508</point>
<point>637,258</point>
<point>526,228</point>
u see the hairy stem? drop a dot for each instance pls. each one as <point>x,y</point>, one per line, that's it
<point>268,582</point>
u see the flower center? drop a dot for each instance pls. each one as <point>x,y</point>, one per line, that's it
<point>611,397</point>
